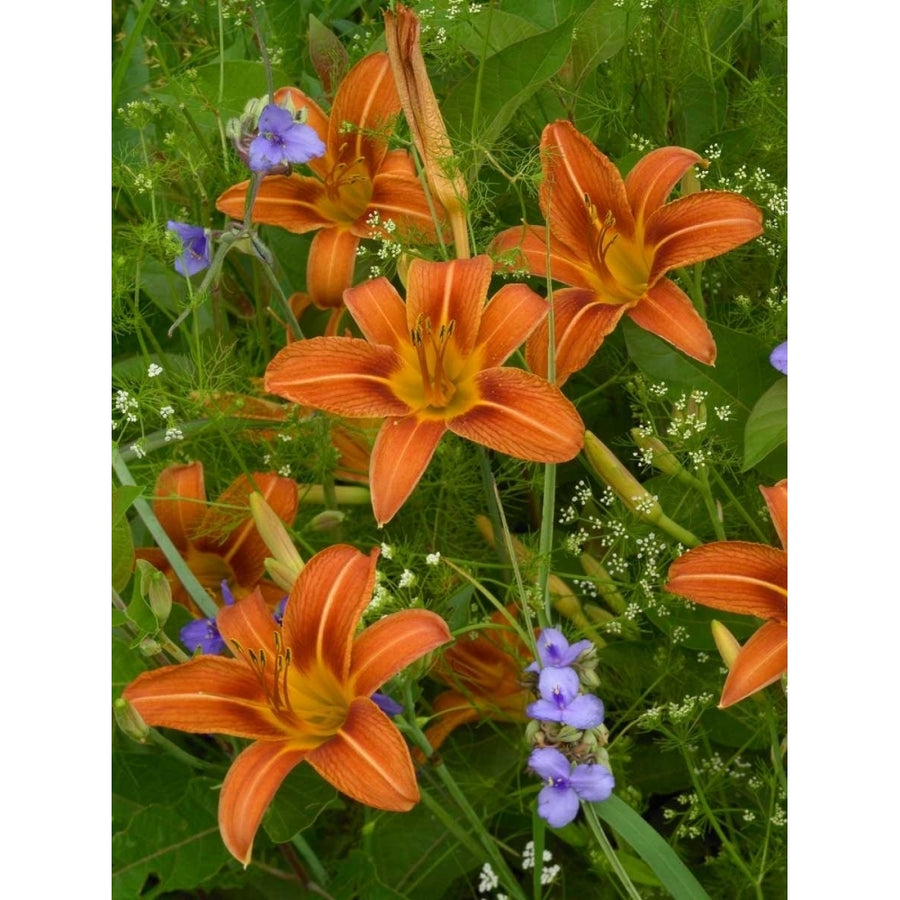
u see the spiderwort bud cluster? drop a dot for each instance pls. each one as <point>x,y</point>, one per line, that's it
<point>567,729</point>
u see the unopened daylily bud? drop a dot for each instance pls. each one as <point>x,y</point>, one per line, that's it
<point>130,721</point>
<point>658,454</point>
<point>149,646</point>
<point>604,583</point>
<point>275,536</point>
<point>327,520</point>
<point>426,124</point>
<point>726,643</point>
<point>630,491</point>
<point>283,575</point>
<point>159,596</point>
<point>690,182</point>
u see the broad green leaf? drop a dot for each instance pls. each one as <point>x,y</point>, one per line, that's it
<point>599,35</point>
<point>242,80</point>
<point>170,847</point>
<point>302,798</point>
<point>494,32</point>
<point>507,80</point>
<point>140,779</point>
<point>650,846</point>
<point>127,664</point>
<point>741,373</point>
<point>766,426</point>
<point>545,14</point>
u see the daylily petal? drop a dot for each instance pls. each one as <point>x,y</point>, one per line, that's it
<point>761,661</point>
<point>207,695</point>
<point>325,606</point>
<point>330,265</point>
<point>580,324</point>
<point>346,376</point>
<point>529,247</point>
<point>667,312</point>
<point>698,227</point>
<point>776,500</point>
<point>401,454</point>
<point>397,195</point>
<point>380,312</point>
<point>368,760</point>
<point>510,316</point>
<point>180,502</point>
<point>391,644</point>
<point>653,177</point>
<point>737,576</point>
<point>522,415</point>
<point>248,789</point>
<point>449,292</point>
<point>249,624</point>
<point>574,169</point>
<point>367,98</point>
<point>243,548</point>
<point>293,202</point>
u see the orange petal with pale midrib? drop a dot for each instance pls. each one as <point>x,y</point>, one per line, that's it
<point>574,169</point>
<point>580,324</point>
<point>207,695</point>
<point>736,576</point>
<point>325,606</point>
<point>391,644</point>
<point>522,415</point>
<point>699,227</point>
<point>346,376</point>
<point>294,202</point>
<point>761,662</point>
<point>380,313</point>
<point>401,454</point>
<point>368,760</point>
<point>180,502</point>
<point>508,319</point>
<point>330,265</point>
<point>776,500</point>
<point>653,176</point>
<point>248,789</point>
<point>529,248</point>
<point>666,311</point>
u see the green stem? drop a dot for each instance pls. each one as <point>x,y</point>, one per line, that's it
<point>601,838</point>
<point>174,750</point>
<point>489,845</point>
<point>182,572</point>
<point>710,504</point>
<point>754,527</point>
<point>309,857</point>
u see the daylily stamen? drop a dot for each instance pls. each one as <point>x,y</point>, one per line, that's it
<point>439,388</point>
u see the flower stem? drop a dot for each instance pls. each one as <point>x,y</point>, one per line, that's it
<point>411,728</point>
<point>309,857</point>
<point>603,841</point>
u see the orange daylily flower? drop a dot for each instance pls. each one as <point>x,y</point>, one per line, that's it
<point>356,178</point>
<point>431,365</point>
<point>484,673</point>
<point>218,542</point>
<point>750,579</point>
<point>613,241</point>
<point>300,691</point>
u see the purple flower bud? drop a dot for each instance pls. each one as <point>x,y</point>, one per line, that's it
<point>195,256</point>
<point>386,704</point>
<point>282,140</point>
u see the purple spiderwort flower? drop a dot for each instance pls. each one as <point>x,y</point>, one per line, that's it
<point>565,786</point>
<point>282,140</point>
<point>561,701</point>
<point>554,650</point>
<point>386,704</point>
<point>195,255</point>
<point>279,610</point>
<point>203,634</point>
<point>778,358</point>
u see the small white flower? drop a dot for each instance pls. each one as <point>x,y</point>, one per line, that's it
<point>387,551</point>
<point>166,411</point>
<point>153,370</point>
<point>488,880</point>
<point>138,450</point>
<point>174,434</point>
<point>407,579</point>
<point>432,559</point>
